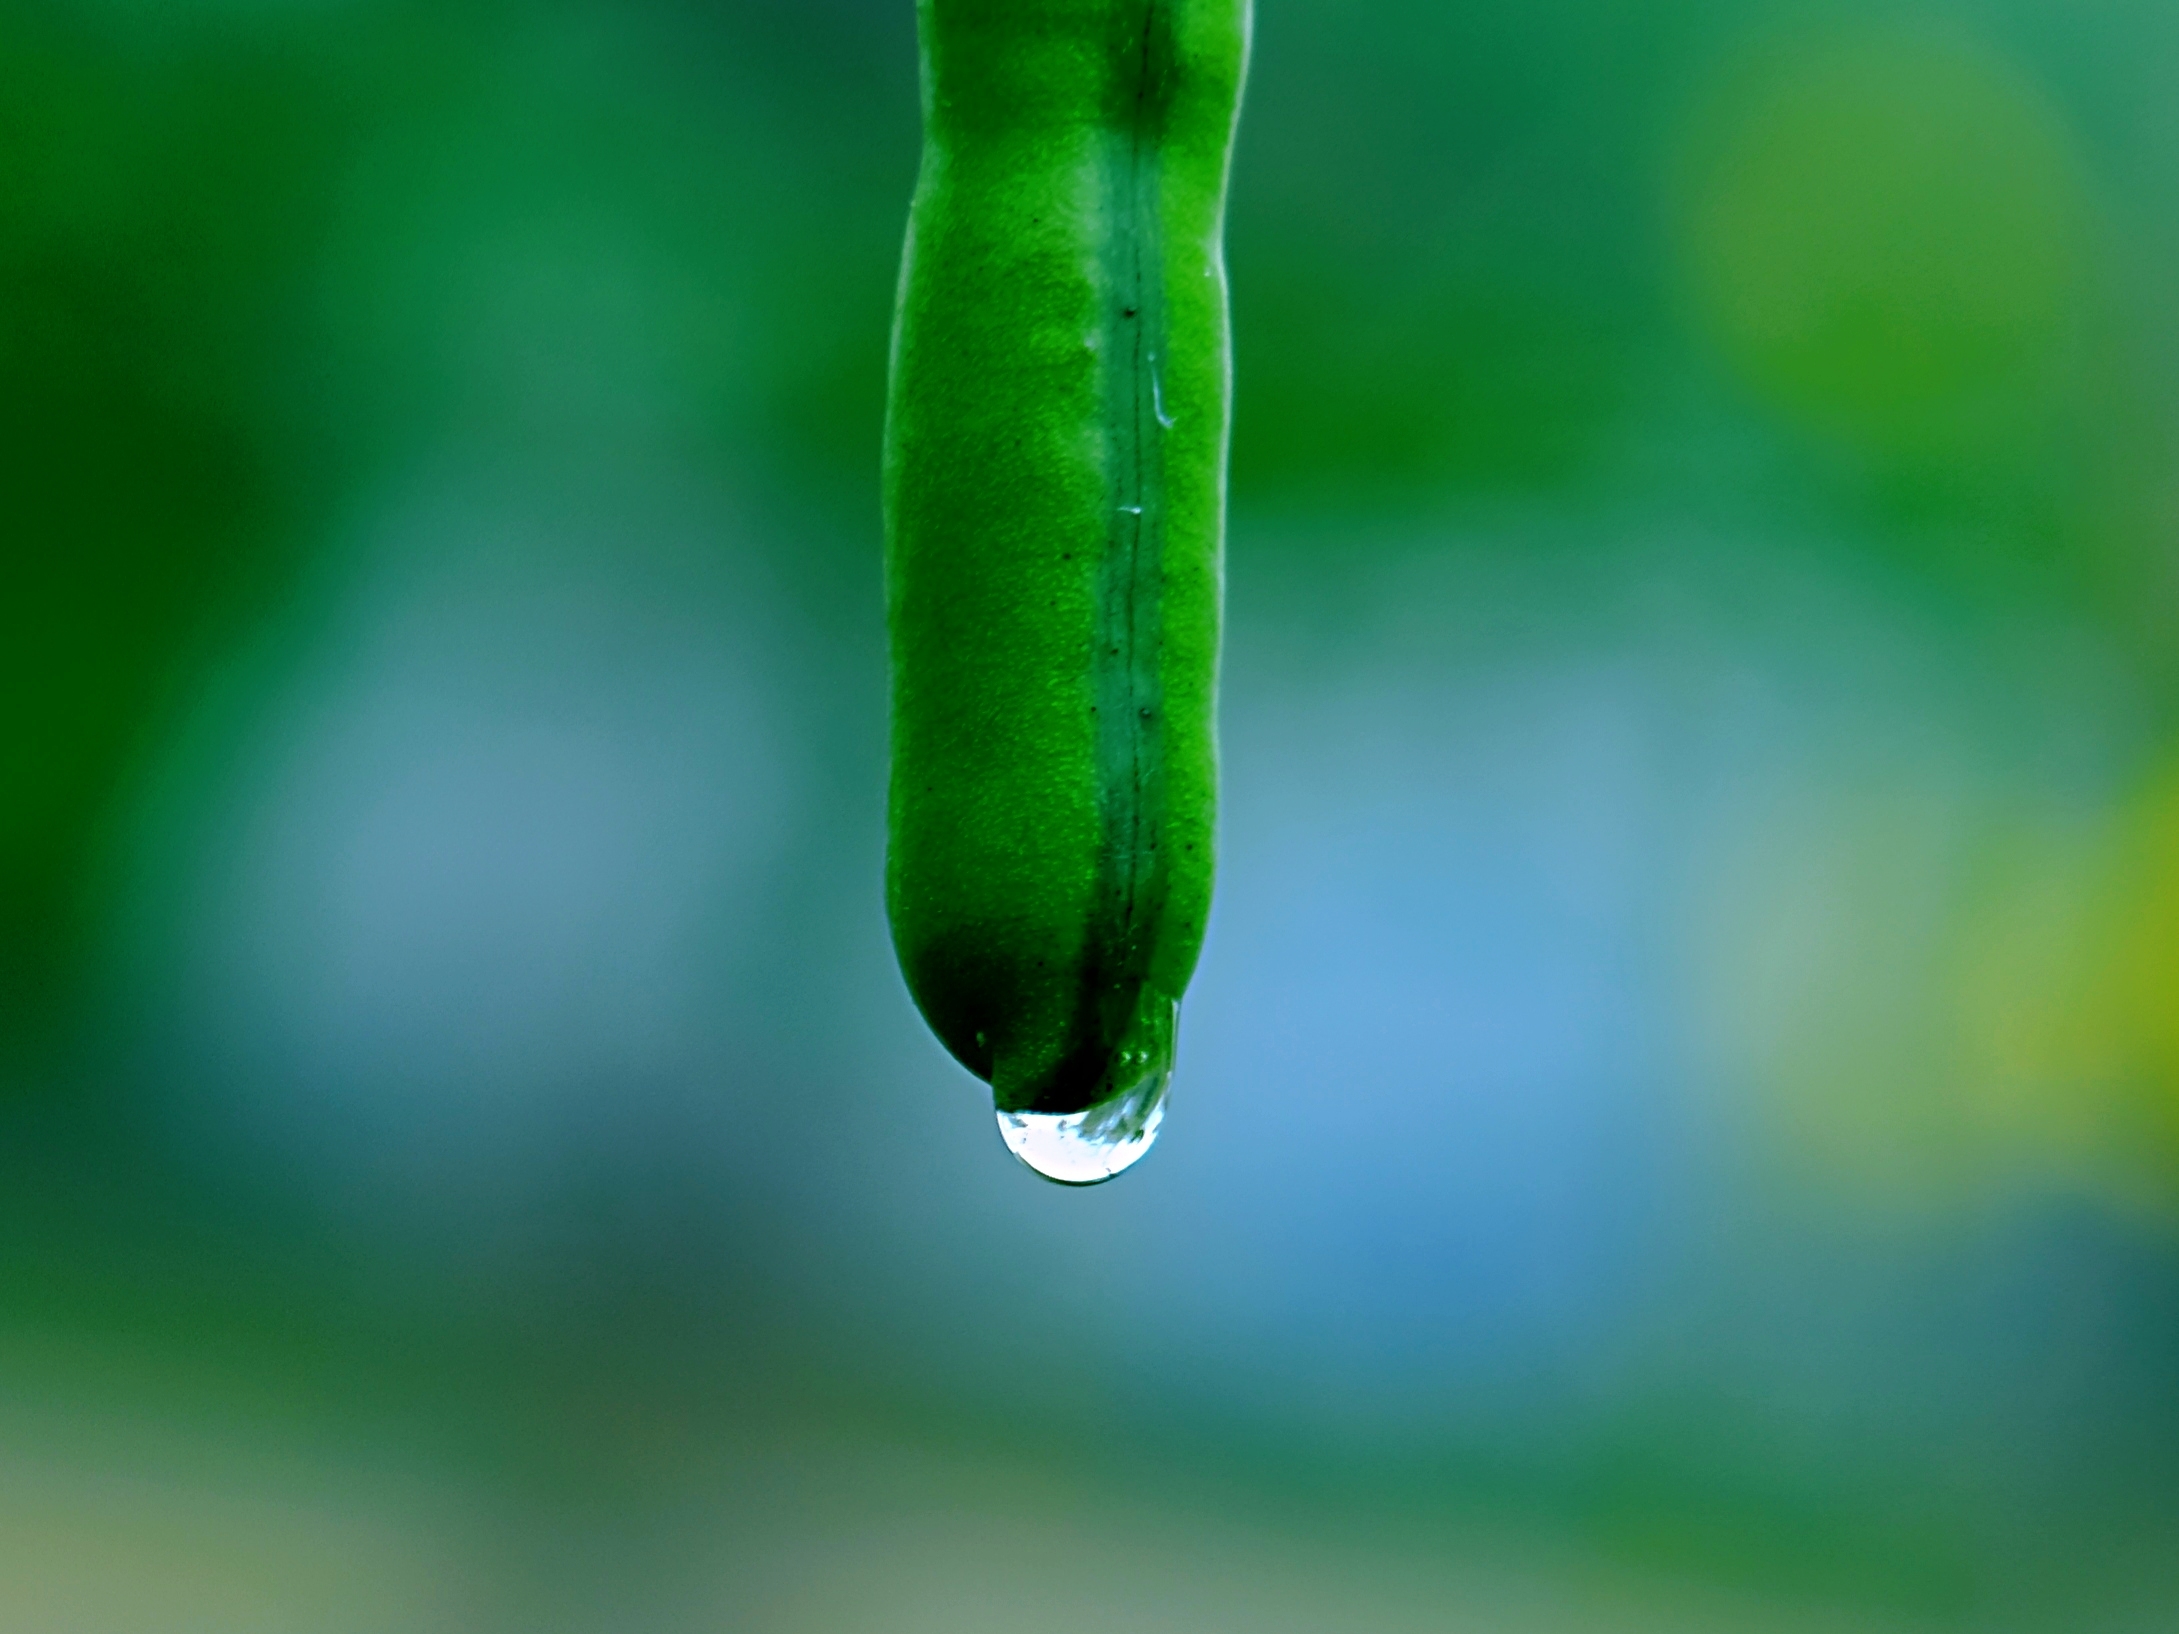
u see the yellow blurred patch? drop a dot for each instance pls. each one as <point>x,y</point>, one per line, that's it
<point>1931,999</point>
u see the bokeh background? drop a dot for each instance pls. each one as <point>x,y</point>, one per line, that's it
<point>1678,1122</point>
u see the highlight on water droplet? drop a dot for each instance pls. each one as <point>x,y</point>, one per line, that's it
<point>1089,1147</point>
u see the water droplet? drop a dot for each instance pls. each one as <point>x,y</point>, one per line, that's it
<point>1089,1147</point>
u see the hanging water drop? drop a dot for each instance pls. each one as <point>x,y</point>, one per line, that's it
<point>1089,1147</point>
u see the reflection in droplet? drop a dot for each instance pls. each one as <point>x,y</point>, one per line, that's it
<point>1089,1147</point>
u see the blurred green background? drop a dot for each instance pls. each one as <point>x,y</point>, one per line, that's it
<point>1678,1122</point>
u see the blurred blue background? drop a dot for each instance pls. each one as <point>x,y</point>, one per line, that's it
<point>1678,1121</point>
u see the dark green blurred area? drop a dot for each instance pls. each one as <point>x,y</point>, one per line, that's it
<point>1655,344</point>
<point>226,309</point>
